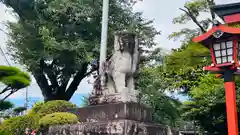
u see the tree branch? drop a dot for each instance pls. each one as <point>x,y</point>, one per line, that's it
<point>211,3</point>
<point>65,77</point>
<point>42,81</point>
<point>51,76</point>
<point>189,13</point>
<point>76,81</point>
<point>91,71</point>
<point>13,91</point>
<point>5,89</point>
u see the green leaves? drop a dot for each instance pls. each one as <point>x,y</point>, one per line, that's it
<point>191,12</point>
<point>152,85</point>
<point>57,39</point>
<point>14,79</point>
<point>5,105</point>
<point>183,67</point>
<point>58,118</point>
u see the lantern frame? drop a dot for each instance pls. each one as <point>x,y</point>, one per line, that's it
<point>229,34</point>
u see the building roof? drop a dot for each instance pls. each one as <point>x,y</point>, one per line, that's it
<point>226,9</point>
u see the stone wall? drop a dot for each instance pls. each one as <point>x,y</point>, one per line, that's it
<point>116,128</point>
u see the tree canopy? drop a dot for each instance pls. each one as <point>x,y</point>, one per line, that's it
<point>13,79</point>
<point>5,105</point>
<point>153,86</point>
<point>206,93</point>
<point>192,10</point>
<point>56,40</point>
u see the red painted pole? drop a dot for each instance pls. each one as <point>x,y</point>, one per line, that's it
<point>231,106</point>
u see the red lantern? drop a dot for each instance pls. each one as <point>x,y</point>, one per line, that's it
<point>224,44</point>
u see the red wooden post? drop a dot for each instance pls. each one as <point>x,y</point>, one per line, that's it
<point>231,106</point>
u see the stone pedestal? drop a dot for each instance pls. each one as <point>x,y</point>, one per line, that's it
<point>114,111</point>
<point>112,119</point>
<point>123,97</point>
<point>113,127</point>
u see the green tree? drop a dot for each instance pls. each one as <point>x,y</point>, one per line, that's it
<point>207,97</point>
<point>191,12</point>
<point>207,105</point>
<point>183,67</point>
<point>57,39</point>
<point>13,79</point>
<point>5,105</point>
<point>152,84</point>
<point>19,110</point>
<point>5,109</point>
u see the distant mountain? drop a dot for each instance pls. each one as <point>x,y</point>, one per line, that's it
<point>76,99</point>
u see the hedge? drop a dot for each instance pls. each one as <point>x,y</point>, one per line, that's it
<point>49,107</point>
<point>37,106</point>
<point>17,125</point>
<point>4,133</point>
<point>58,118</point>
<point>50,113</point>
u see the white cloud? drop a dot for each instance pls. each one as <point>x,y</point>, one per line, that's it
<point>163,13</point>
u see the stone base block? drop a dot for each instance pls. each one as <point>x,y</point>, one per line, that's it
<point>123,97</point>
<point>115,127</point>
<point>115,111</point>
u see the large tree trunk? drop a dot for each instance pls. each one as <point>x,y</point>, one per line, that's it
<point>54,91</point>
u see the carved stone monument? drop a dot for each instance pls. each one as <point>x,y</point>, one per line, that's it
<point>119,72</point>
<point>114,107</point>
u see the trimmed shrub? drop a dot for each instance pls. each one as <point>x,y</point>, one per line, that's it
<point>37,106</point>
<point>55,106</point>
<point>18,125</point>
<point>58,118</point>
<point>4,133</point>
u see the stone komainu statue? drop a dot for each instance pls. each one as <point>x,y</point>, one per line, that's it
<point>123,64</point>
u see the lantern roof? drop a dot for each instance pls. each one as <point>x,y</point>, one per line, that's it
<point>209,34</point>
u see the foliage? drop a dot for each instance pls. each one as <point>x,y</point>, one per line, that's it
<point>30,132</point>
<point>57,39</point>
<point>5,109</point>
<point>207,106</point>
<point>191,12</point>
<point>58,118</point>
<point>4,133</point>
<point>152,85</point>
<point>17,125</point>
<point>183,67</point>
<point>5,105</point>
<point>19,110</point>
<point>36,107</point>
<point>13,79</point>
<point>54,106</point>
<point>207,97</point>
<point>85,102</point>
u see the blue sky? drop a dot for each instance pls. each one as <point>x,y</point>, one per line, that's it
<point>161,11</point>
<point>19,102</point>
